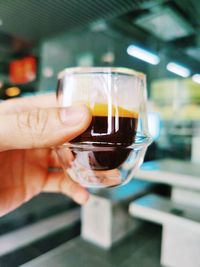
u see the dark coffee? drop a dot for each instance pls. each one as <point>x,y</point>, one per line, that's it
<point>115,133</point>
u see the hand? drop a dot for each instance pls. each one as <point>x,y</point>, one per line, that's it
<point>29,128</point>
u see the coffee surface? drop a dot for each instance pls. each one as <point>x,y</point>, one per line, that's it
<point>113,127</point>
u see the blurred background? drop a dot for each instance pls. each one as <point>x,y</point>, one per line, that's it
<point>161,38</point>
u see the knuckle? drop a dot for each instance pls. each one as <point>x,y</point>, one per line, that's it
<point>33,123</point>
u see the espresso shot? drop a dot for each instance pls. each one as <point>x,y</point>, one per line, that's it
<point>113,129</point>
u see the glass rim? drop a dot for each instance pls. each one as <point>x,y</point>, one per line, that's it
<point>85,70</point>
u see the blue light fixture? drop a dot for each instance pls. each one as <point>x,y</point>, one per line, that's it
<point>178,69</point>
<point>143,54</point>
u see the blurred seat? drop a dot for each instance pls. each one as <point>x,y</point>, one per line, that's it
<point>181,228</point>
<point>40,207</point>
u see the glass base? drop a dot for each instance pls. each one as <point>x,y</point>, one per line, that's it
<point>90,166</point>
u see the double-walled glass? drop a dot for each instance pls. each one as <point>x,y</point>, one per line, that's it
<point>113,147</point>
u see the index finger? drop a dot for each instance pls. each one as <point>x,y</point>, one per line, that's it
<point>27,103</point>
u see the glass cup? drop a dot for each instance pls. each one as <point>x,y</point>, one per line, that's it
<point>110,151</point>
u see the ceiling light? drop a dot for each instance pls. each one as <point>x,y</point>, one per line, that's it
<point>165,23</point>
<point>13,91</point>
<point>196,78</point>
<point>194,52</point>
<point>178,69</point>
<point>1,22</point>
<point>143,54</point>
<point>98,26</point>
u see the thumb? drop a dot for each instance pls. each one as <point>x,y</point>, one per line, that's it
<point>39,128</point>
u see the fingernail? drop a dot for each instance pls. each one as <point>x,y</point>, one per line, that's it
<point>73,115</point>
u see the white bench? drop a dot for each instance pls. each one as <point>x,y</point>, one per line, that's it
<point>183,176</point>
<point>181,229</point>
<point>105,218</point>
<point>31,233</point>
